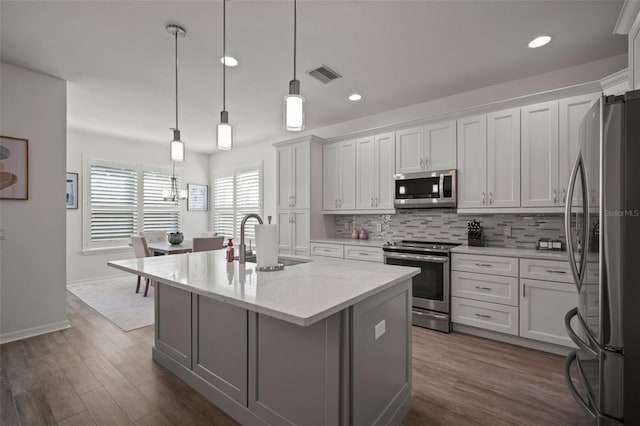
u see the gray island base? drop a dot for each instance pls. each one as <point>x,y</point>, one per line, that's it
<point>321,343</point>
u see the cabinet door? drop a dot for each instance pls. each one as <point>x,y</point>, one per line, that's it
<point>365,173</point>
<point>440,146</point>
<point>385,159</point>
<point>301,233</point>
<point>347,175</point>
<point>409,150</point>
<point>472,162</point>
<point>543,305</point>
<point>285,176</point>
<point>571,113</point>
<point>540,156</point>
<point>301,179</point>
<point>330,177</point>
<point>503,158</point>
<point>284,232</point>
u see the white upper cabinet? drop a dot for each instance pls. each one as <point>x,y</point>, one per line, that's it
<point>375,163</point>
<point>439,146</point>
<point>503,158</point>
<point>293,176</point>
<point>339,176</point>
<point>409,150</point>
<point>540,148</point>
<point>572,113</point>
<point>426,149</point>
<point>472,162</point>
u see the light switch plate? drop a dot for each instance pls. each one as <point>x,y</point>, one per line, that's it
<point>3,236</point>
<point>380,329</point>
<point>379,227</point>
<point>506,231</point>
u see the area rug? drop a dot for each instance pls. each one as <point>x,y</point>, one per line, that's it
<point>118,301</point>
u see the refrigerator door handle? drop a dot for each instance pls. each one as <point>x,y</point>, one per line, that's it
<point>578,165</point>
<point>567,375</point>
<point>572,334</point>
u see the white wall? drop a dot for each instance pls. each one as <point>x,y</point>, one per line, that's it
<point>578,79</point>
<point>85,267</point>
<point>32,266</point>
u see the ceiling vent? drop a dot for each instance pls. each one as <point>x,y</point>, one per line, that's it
<point>324,74</point>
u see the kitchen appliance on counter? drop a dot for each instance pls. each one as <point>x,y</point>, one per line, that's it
<point>432,287</point>
<point>604,195</point>
<point>425,190</point>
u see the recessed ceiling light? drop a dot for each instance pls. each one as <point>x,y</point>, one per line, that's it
<point>539,41</point>
<point>355,97</point>
<point>229,61</point>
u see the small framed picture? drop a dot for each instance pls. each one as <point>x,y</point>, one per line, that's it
<point>198,197</point>
<point>14,168</point>
<point>72,190</point>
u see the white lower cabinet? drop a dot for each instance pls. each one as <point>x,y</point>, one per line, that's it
<point>522,297</point>
<point>347,251</point>
<point>543,305</point>
<point>490,316</point>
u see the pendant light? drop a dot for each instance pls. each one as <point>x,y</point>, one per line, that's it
<point>177,146</point>
<point>293,102</point>
<point>224,132</point>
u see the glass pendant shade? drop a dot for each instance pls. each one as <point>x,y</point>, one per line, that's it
<point>177,147</point>
<point>224,133</point>
<point>294,113</point>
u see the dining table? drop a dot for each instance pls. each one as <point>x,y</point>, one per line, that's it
<point>164,247</point>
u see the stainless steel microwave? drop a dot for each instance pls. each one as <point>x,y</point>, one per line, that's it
<point>425,190</point>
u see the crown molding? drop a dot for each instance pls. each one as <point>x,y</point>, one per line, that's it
<point>620,77</point>
<point>627,17</point>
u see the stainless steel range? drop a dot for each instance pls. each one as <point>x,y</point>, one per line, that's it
<point>432,287</point>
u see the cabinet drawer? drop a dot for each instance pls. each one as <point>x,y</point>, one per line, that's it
<point>327,250</point>
<point>488,288</point>
<point>372,254</point>
<point>546,270</point>
<point>490,316</point>
<point>495,265</point>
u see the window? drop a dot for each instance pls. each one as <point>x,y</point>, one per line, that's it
<point>124,199</point>
<point>236,194</point>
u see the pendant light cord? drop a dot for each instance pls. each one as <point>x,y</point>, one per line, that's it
<point>295,33</point>
<point>176,37</point>
<point>224,55</point>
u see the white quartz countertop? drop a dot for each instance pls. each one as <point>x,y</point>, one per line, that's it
<point>512,252</point>
<point>349,241</point>
<point>301,294</point>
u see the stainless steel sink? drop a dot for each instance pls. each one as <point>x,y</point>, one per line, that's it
<point>286,261</point>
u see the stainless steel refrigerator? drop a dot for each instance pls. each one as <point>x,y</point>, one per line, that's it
<point>602,225</point>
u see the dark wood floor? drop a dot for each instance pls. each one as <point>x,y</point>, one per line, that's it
<point>94,373</point>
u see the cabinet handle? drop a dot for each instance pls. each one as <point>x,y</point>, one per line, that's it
<point>564,195</point>
<point>551,271</point>
<point>335,203</point>
<point>483,198</point>
<point>555,196</point>
<point>422,163</point>
<point>426,163</point>
<point>293,217</point>
<point>483,316</point>
<point>375,201</point>
<point>364,254</point>
<point>524,290</point>
<point>371,201</point>
<point>490,197</point>
<point>483,288</point>
<point>486,265</point>
<point>293,201</point>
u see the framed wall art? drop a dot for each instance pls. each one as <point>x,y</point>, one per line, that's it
<point>72,190</point>
<point>14,168</point>
<point>198,197</point>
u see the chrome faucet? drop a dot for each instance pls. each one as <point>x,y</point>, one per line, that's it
<point>241,256</point>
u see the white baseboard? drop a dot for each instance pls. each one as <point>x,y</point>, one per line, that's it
<point>94,280</point>
<point>514,340</point>
<point>12,336</point>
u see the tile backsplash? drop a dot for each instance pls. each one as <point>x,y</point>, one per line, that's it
<point>445,225</point>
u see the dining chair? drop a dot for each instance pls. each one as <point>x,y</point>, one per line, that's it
<point>155,236</point>
<point>208,243</point>
<point>140,249</point>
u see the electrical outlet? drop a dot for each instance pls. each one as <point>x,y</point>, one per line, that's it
<point>506,231</point>
<point>379,227</point>
<point>380,329</point>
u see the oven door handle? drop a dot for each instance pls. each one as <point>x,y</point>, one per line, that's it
<point>419,257</point>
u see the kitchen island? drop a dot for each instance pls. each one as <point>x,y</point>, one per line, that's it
<point>326,342</point>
